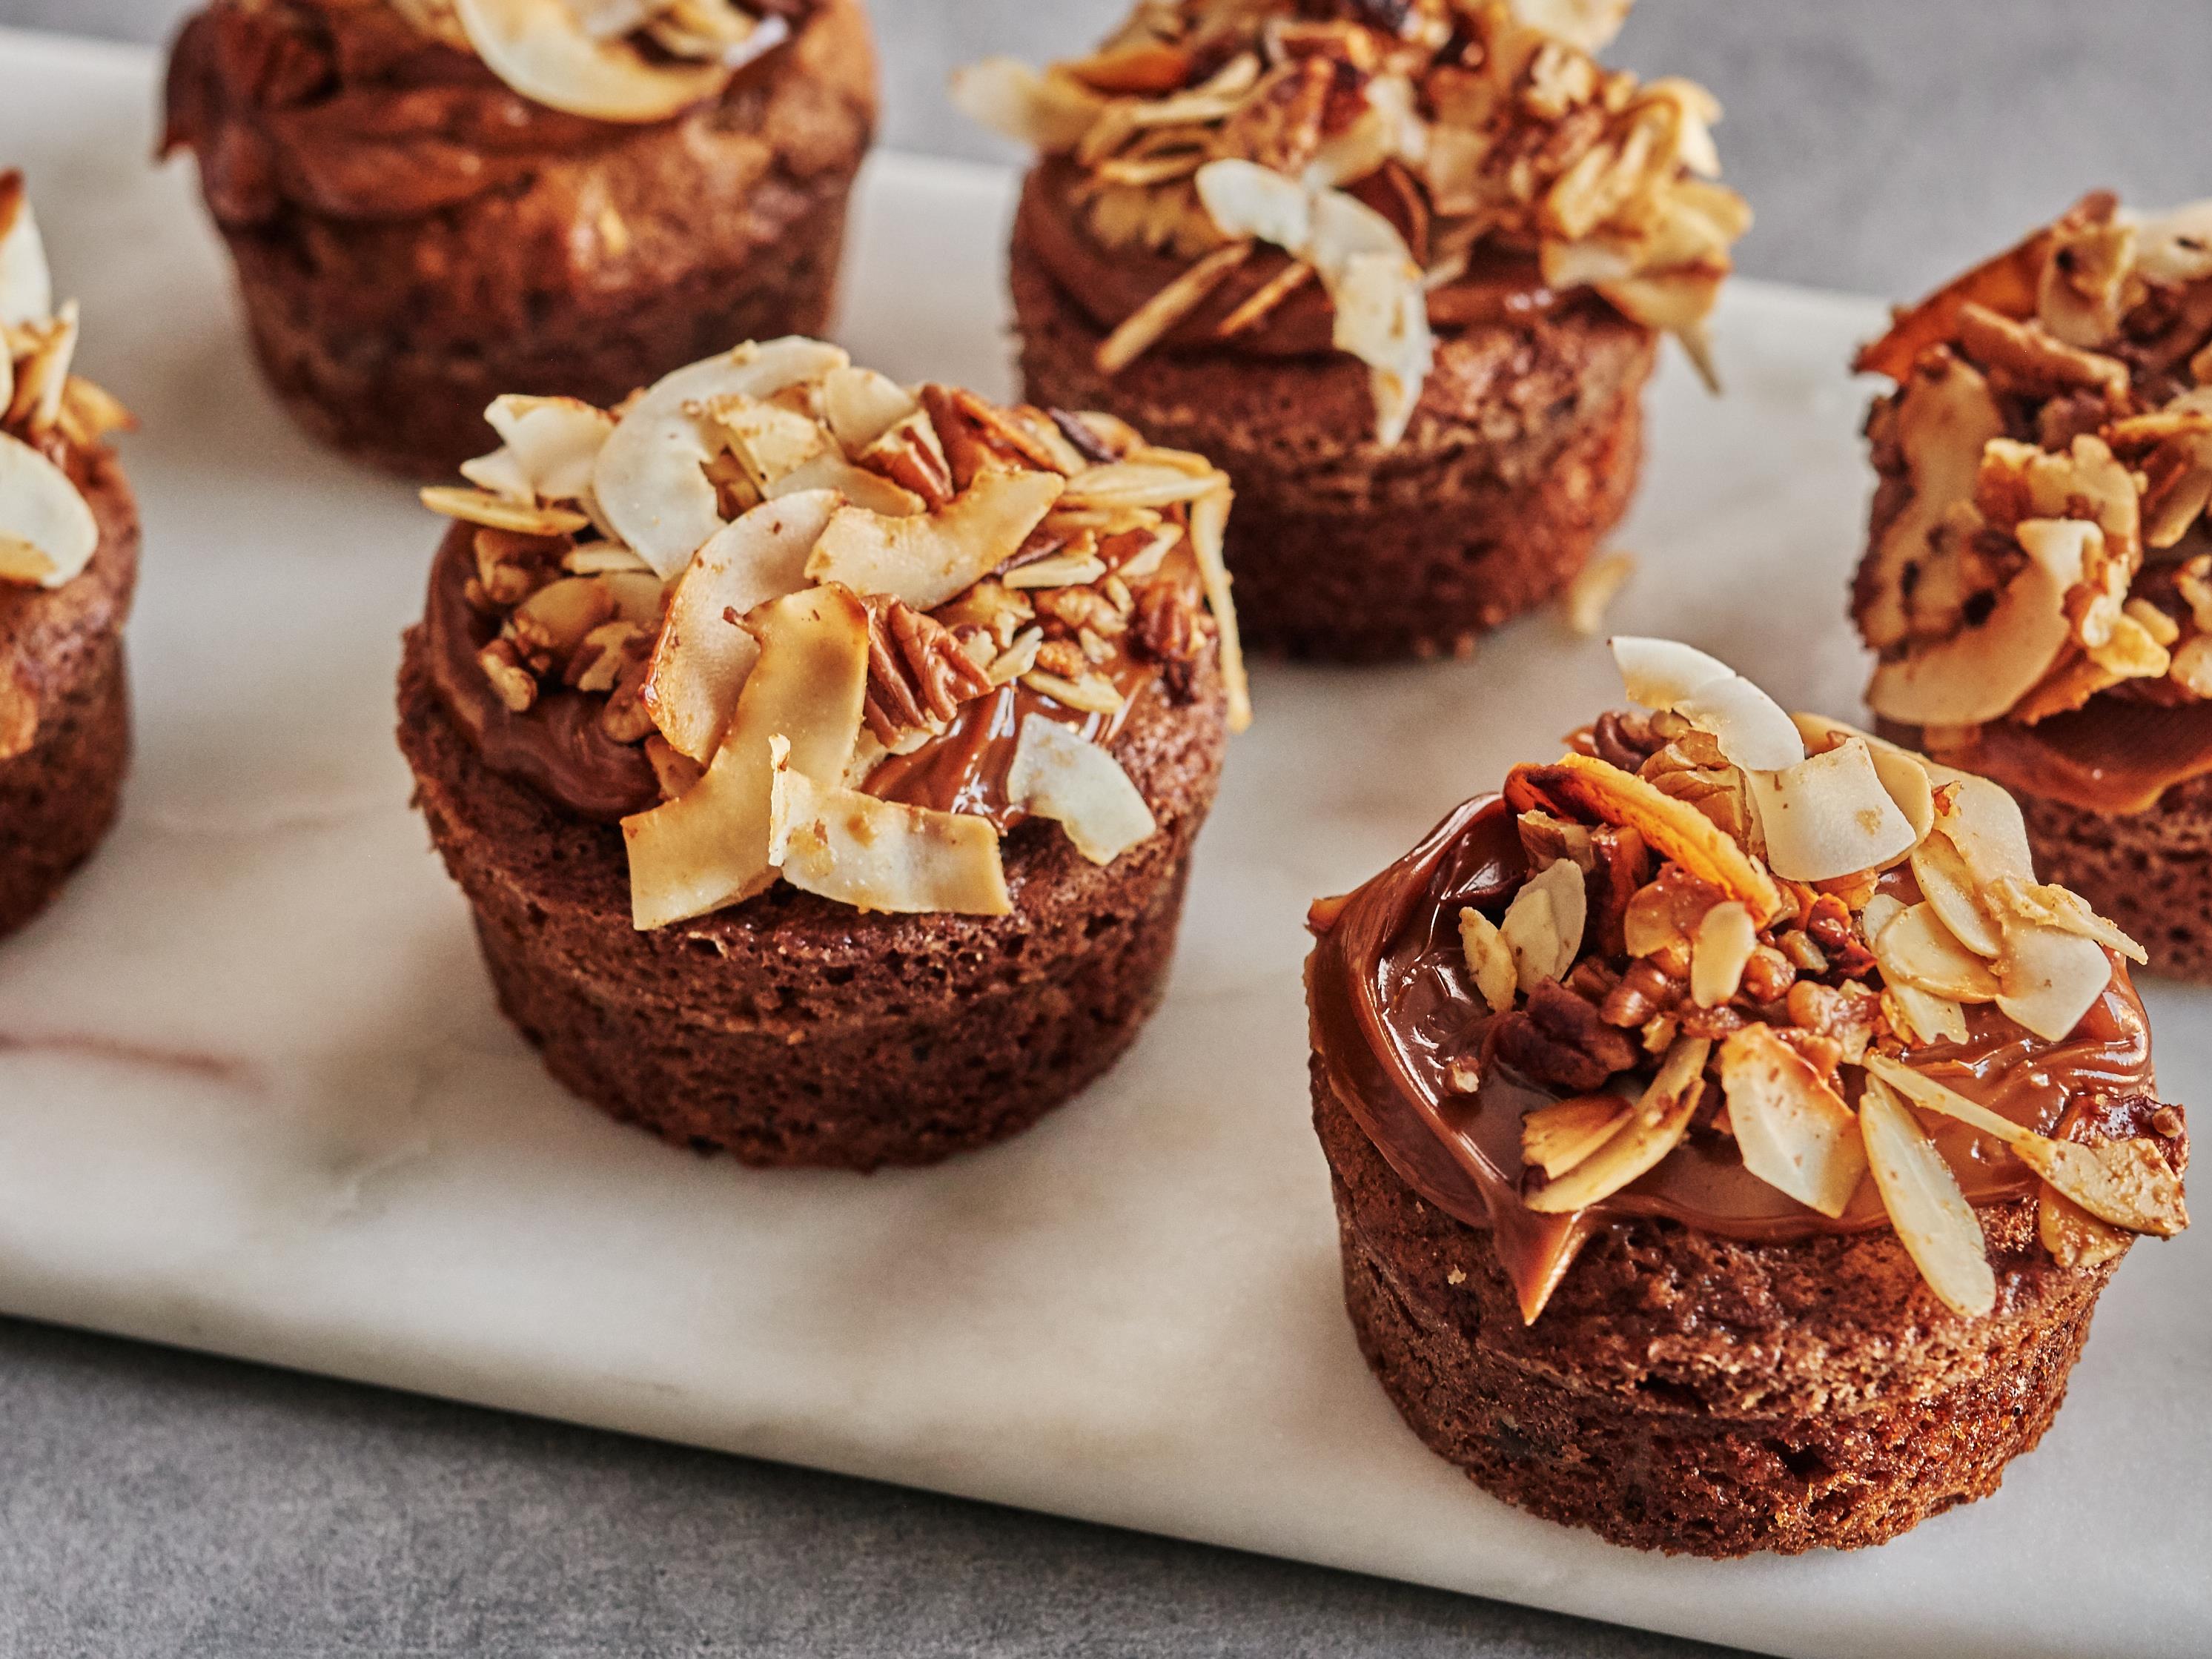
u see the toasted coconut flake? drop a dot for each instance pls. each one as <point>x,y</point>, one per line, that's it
<point>1050,112</point>
<point>1794,1131</point>
<point>1059,775</point>
<point>1982,821</point>
<point>1829,816</point>
<point>481,506</point>
<point>47,532</point>
<point>1719,953</point>
<point>1914,948</point>
<point>27,289</point>
<point>702,654</point>
<point>548,446</point>
<point>1932,1220</point>
<point>2175,248</point>
<point>649,479</point>
<point>882,855</point>
<point>930,558</point>
<point>2064,909</point>
<point>1656,1127</point>
<point>1593,588</point>
<point>1543,925</point>
<point>2073,1237</point>
<point>1674,828</point>
<point>1659,673</point>
<point>710,847</point>
<point>2049,978</point>
<point>1209,523</point>
<point>2127,1182</point>
<point>861,405</point>
<point>542,50</point>
<point>1982,671</point>
<point>1489,959</point>
<point>1749,726</point>
<point>1556,1138</point>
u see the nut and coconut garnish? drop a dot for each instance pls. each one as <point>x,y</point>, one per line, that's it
<point>47,532</point>
<point>1741,924</point>
<point>777,569</point>
<point>1379,148</point>
<point>2047,457</point>
<point>631,61</point>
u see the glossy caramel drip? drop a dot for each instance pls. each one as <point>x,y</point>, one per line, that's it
<point>2114,754</point>
<point>1392,1009</point>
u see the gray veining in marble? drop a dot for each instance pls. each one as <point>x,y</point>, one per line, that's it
<point>154,1503</point>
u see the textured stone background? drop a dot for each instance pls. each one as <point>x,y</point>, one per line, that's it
<point>156,1503</point>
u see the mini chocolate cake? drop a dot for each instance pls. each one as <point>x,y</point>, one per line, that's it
<point>69,561</point>
<point>1398,268</point>
<point>822,759</point>
<point>2038,580</point>
<point>1698,1184</point>
<point>431,203</point>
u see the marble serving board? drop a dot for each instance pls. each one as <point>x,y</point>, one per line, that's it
<point>254,1097</point>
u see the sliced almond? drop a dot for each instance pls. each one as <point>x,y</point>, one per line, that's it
<point>1543,925</point>
<point>2073,1237</point>
<point>880,854</point>
<point>1489,959</point>
<point>710,847</point>
<point>2127,1182</point>
<point>1934,1221</point>
<point>649,479</point>
<point>1950,888</point>
<point>1656,1127</point>
<point>1137,485</point>
<point>1916,949</point>
<point>542,49</point>
<point>1922,1018</point>
<point>1794,1131</point>
<point>932,558</point>
<point>480,507</point>
<point>1829,816</point>
<point>47,532</point>
<point>1556,1138</point>
<point>2064,909</point>
<point>1720,952</point>
<point>1058,774</point>
<point>2049,978</point>
<point>1984,822</point>
<point>703,653</point>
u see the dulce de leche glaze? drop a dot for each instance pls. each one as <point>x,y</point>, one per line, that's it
<point>1391,1008</point>
<point>557,747</point>
<point>2113,755</point>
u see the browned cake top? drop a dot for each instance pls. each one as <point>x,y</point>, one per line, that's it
<point>782,617</point>
<point>386,109</point>
<point>2037,582</point>
<point>1290,175</point>
<point>1766,976</point>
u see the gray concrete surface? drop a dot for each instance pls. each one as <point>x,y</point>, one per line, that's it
<point>158,1504</point>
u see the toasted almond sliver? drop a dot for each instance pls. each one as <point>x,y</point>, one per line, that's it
<point>2073,1237</point>
<point>1064,570</point>
<point>1144,327</point>
<point>1794,1131</point>
<point>1543,925</point>
<point>1914,948</point>
<point>1489,959</point>
<point>1209,524</point>
<point>1932,1220</point>
<point>1137,483</point>
<point>861,405</point>
<point>1656,1125</point>
<point>2064,909</point>
<point>47,532</point>
<point>481,506</point>
<point>1720,952</point>
<point>1922,1016</point>
<point>2127,1182</point>
<point>1094,694</point>
<point>1556,1138</point>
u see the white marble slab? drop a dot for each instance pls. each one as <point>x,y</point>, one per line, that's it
<point>254,1096</point>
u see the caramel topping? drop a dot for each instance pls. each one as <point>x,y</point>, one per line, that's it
<point>1393,1017</point>
<point>2116,755</point>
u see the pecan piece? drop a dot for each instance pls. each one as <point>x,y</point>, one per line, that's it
<point>1163,628</point>
<point>918,671</point>
<point>1831,928</point>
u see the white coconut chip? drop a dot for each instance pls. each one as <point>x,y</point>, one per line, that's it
<point>1752,731</point>
<point>1931,1215</point>
<point>649,481</point>
<point>861,405</point>
<point>702,654</point>
<point>1058,774</point>
<point>929,559</point>
<point>27,288</point>
<point>1829,816</point>
<point>2049,978</point>
<point>1048,112</point>
<point>710,846</point>
<point>542,50</point>
<point>548,448</point>
<point>47,532</point>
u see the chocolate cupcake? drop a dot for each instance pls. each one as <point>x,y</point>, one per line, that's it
<point>433,202</point>
<point>69,561</point>
<point>2038,580</point>
<point>1398,267</point>
<point>822,759</point>
<point>1730,1137</point>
